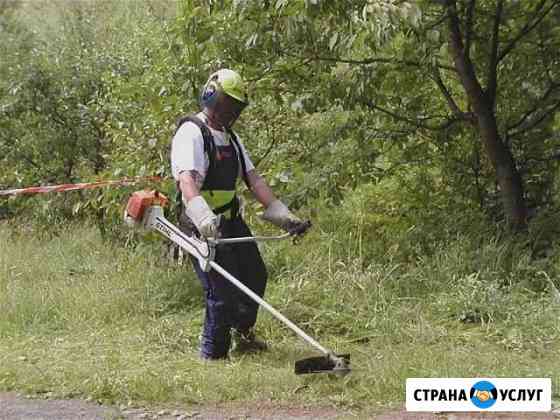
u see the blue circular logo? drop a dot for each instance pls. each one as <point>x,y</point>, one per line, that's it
<point>483,394</point>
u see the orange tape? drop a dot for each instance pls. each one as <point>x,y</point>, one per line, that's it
<point>80,186</point>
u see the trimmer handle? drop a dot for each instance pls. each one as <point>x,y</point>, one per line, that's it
<point>224,241</point>
<point>294,232</point>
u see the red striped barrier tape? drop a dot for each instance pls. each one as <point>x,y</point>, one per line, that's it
<point>80,186</point>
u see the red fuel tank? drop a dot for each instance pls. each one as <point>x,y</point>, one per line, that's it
<point>141,200</point>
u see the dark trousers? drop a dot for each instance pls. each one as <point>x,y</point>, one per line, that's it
<point>226,306</point>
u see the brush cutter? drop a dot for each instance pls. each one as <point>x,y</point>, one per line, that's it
<point>145,209</point>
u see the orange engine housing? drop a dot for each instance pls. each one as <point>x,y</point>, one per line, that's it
<point>141,200</point>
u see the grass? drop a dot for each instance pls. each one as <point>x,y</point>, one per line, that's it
<point>88,318</point>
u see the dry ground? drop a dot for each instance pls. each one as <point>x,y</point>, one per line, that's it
<point>18,407</point>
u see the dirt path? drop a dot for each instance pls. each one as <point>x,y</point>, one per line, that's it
<point>13,406</point>
<point>16,407</point>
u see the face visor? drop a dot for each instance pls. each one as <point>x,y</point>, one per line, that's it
<point>226,111</point>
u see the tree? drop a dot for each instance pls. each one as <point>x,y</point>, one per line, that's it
<point>514,30</point>
<point>451,72</point>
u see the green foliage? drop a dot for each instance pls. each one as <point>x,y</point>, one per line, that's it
<point>74,106</point>
<point>343,94</point>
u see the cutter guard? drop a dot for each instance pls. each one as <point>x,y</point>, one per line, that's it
<point>337,364</point>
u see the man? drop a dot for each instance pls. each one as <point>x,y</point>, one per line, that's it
<point>207,158</point>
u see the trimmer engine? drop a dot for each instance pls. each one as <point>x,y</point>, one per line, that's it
<point>139,202</point>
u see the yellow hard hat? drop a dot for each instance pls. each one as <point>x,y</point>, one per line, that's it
<point>224,81</point>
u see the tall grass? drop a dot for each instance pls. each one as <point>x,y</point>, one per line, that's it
<point>87,317</point>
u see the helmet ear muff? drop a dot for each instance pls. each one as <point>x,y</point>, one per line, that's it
<point>210,92</point>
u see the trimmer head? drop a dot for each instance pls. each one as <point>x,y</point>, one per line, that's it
<point>336,364</point>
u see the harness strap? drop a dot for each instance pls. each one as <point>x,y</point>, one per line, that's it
<point>239,151</point>
<point>209,146</point>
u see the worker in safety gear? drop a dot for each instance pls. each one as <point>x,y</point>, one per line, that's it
<point>207,158</point>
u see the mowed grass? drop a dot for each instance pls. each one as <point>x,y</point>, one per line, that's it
<point>83,317</point>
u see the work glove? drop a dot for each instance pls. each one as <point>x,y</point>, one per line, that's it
<point>278,214</point>
<point>198,210</point>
